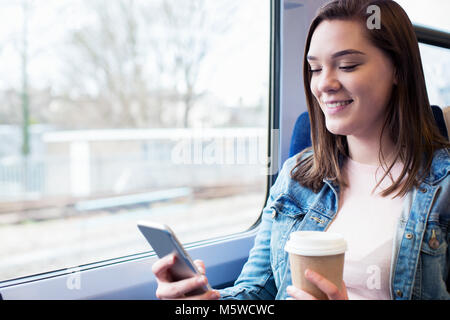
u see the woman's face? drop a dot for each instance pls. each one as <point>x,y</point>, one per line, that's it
<point>351,79</point>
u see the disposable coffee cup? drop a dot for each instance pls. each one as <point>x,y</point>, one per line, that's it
<point>322,252</point>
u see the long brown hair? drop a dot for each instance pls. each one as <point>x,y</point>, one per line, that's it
<point>409,118</point>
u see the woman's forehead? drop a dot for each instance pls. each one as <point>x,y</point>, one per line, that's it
<point>332,36</point>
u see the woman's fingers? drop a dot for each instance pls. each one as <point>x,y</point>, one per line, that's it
<point>209,295</point>
<point>161,268</point>
<point>200,266</point>
<point>169,289</point>
<point>328,287</point>
<point>178,289</point>
<point>299,294</point>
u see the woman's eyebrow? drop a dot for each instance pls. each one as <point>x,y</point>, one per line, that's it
<point>339,54</point>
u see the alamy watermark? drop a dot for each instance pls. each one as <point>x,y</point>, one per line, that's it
<point>229,148</point>
<point>74,279</point>
<point>374,280</point>
<point>374,20</point>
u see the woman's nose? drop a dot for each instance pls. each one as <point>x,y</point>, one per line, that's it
<point>328,82</point>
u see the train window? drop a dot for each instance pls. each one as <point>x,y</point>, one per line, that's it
<point>117,111</point>
<point>436,66</point>
<point>433,15</point>
<point>436,62</point>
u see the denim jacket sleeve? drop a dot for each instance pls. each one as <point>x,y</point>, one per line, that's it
<point>256,280</point>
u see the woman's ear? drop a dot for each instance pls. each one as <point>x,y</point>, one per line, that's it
<point>395,76</point>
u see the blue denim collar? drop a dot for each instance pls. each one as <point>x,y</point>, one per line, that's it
<point>440,167</point>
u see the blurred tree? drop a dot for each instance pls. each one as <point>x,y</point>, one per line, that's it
<point>190,28</point>
<point>135,58</point>
<point>106,65</point>
<point>122,63</point>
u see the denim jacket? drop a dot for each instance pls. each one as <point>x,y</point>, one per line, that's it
<point>420,256</point>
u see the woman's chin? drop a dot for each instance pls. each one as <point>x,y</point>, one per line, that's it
<point>338,130</point>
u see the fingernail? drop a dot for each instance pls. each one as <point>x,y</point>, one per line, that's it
<point>202,280</point>
<point>308,273</point>
<point>216,294</point>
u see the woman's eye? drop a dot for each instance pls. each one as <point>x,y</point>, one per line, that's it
<point>348,68</point>
<point>314,70</point>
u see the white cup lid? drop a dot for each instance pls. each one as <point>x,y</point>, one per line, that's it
<point>316,243</point>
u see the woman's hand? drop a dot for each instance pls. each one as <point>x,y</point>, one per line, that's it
<point>169,289</point>
<point>329,288</point>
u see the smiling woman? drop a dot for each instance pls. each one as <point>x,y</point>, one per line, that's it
<point>380,125</point>
<point>352,86</point>
<point>366,97</point>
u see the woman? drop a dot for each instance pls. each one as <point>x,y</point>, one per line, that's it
<point>377,171</point>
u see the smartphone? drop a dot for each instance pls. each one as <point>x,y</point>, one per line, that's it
<point>163,241</point>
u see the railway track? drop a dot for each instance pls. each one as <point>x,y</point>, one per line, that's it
<point>66,207</point>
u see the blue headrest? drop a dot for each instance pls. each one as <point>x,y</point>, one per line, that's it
<point>301,135</point>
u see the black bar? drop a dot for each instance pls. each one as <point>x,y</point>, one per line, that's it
<point>222,310</point>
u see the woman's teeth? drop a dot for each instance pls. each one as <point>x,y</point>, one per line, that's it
<point>338,104</point>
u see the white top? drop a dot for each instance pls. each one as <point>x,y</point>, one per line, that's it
<point>368,222</point>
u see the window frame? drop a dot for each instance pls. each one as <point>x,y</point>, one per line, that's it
<point>432,37</point>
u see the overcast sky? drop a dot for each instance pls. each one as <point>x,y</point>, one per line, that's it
<point>433,13</point>
<point>237,66</point>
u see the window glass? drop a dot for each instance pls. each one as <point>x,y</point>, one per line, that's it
<point>431,13</point>
<point>436,61</point>
<point>117,111</point>
<point>436,67</point>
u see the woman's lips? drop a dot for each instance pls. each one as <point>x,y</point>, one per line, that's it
<point>336,107</point>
